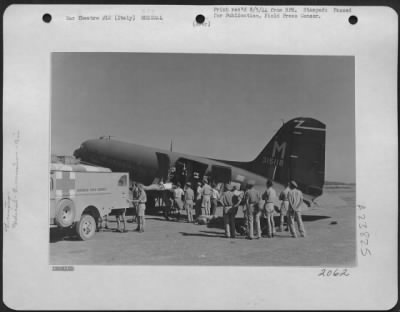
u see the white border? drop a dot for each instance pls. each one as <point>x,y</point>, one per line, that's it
<point>30,284</point>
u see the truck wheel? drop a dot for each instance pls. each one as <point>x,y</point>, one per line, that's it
<point>86,227</point>
<point>65,213</point>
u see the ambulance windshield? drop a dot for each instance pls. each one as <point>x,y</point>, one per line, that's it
<point>122,181</point>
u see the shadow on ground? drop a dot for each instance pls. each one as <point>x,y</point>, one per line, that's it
<point>218,223</point>
<point>204,234</point>
<point>57,235</point>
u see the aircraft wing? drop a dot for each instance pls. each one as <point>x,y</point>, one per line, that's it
<point>158,187</point>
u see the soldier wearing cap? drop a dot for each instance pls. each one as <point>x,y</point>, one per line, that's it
<point>178,203</point>
<point>228,211</point>
<point>135,196</point>
<point>189,201</point>
<point>269,197</point>
<point>283,196</point>
<point>206,197</point>
<point>214,199</point>
<point>238,198</point>
<point>141,208</point>
<point>252,200</point>
<point>295,197</point>
<point>198,199</point>
<point>239,201</point>
<point>168,199</point>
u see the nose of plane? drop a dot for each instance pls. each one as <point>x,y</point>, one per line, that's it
<point>79,152</point>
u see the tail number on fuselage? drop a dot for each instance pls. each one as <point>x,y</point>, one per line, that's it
<point>278,154</point>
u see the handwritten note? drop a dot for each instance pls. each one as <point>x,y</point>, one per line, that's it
<point>11,198</point>
<point>364,234</point>
<point>333,272</point>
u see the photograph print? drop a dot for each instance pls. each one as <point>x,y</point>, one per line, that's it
<point>202,159</point>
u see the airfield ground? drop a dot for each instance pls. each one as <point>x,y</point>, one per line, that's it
<point>330,242</point>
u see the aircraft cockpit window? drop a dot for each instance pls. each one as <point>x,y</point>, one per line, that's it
<point>123,181</point>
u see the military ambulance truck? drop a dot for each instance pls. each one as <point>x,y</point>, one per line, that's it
<point>80,196</point>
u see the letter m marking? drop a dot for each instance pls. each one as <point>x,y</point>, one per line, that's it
<point>279,149</point>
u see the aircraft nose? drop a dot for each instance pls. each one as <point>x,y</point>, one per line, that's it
<point>79,152</point>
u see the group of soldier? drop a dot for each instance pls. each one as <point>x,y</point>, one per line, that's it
<point>137,200</point>
<point>257,205</point>
<point>205,199</point>
<point>202,201</point>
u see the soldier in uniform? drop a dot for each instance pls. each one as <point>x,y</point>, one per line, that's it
<point>228,211</point>
<point>237,202</point>
<point>178,203</point>
<point>135,197</point>
<point>214,199</point>
<point>283,196</point>
<point>198,199</point>
<point>141,209</point>
<point>120,216</point>
<point>206,197</point>
<point>252,200</point>
<point>167,196</point>
<point>189,201</point>
<point>243,229</point>
<point>269,197</point>
<point>295,197</point>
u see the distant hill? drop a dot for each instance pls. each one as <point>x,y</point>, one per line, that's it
<point>64,159</point>
<point>338,185</point>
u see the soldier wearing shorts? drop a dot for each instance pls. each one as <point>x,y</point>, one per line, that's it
<point>135,197</point>
<point>295,197</point>
<point>252,200</point>
<point>283,196</point>
<point>228,211</point>
<point>269,197</point>
<point>198,199</point>
<point>214,199</point>
<point>141,209</point>
<point>206,197</point>
<point>178,203</point>
<point>189,201</point>
<point>120,216</point>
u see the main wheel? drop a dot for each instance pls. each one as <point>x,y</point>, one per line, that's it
<point>65,213</point>
<point>86,227</point>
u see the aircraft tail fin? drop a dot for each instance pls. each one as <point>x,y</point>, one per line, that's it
<point>296,152</point>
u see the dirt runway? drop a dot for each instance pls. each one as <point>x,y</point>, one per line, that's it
<point>330,242</point>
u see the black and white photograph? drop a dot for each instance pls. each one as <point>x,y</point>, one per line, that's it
<point>202,159</point>
<point>212,157</point>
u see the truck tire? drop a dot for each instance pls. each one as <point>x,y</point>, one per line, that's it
<point>65,213</point>
<point>86,227</point>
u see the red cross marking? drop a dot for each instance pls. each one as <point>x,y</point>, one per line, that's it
<point>65,184</point>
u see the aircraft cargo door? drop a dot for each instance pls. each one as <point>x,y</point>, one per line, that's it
<point>221,174</point>
<point>192,169</point>
<point>163,166</point>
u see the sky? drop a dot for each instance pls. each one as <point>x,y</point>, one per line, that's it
<point>213,105</point>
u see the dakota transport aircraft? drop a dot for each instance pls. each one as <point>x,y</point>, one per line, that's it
<point>296,152</point>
